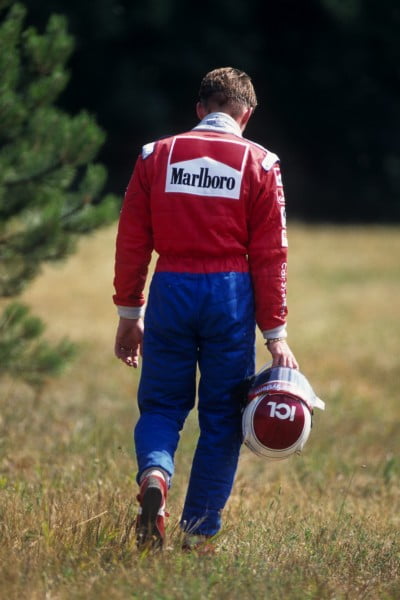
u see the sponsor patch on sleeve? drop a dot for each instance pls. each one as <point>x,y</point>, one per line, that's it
<point>278,175</point>
<point>280,196</point>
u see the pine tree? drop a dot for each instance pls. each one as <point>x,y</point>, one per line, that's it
<point>50,186</point>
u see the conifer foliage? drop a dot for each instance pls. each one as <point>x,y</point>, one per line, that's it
<point>50,184</point>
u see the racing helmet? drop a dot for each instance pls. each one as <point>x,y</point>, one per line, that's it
<point>277,419</point>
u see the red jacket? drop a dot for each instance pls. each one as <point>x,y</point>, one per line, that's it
<point>206,201</point>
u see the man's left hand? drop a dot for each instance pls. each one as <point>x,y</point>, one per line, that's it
<point>282,356</point>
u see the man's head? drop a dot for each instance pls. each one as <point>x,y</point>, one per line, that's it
<point>227,90</point>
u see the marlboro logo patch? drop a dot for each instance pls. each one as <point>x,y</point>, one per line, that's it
<point>206,167</point>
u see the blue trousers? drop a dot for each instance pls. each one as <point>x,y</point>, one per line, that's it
<point>204,320</point>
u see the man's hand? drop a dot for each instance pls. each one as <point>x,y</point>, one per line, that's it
<point>282,356</point>
<point>128,341</point>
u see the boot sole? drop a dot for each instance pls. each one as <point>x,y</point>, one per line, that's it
<point>147,534</point>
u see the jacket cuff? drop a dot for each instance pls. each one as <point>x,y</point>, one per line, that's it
<point>130,312</point>
<point>278,332</point>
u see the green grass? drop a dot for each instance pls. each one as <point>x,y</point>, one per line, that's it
<point>325,525</point>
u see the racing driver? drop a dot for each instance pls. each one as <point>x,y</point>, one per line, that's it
<point>210,203</point>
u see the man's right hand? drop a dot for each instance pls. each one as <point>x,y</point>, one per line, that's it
<point>128,341</point>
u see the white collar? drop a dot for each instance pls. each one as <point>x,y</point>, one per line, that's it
<point>220,121</point>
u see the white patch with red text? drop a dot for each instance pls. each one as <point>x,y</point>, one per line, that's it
<point>280,196</point>
<point>278,175</point>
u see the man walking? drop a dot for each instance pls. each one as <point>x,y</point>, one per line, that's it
<point>211,204</point>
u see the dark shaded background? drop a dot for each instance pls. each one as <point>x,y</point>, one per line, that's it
<point>326,74</point>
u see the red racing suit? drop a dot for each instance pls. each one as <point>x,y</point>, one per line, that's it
<point>206,201</point>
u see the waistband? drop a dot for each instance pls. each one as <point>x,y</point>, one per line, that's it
<point>214,264</point>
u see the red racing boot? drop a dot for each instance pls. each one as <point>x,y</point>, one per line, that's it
<point>150,525</point>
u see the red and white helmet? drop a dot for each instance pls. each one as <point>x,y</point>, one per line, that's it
<point>278,417</point>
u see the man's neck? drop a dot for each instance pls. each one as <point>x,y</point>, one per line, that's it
<point>220,121</point>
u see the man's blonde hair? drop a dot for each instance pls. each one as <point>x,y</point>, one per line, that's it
<point>227,88</point>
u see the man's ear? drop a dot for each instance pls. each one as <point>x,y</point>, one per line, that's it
<point>201,111</point>
<point>244,118</point>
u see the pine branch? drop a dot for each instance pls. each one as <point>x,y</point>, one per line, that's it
<point>35,176</point>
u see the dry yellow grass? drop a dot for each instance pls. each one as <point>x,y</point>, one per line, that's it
<point>323,525</point>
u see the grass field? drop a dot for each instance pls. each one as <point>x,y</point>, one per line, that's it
<point>322,525</point>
